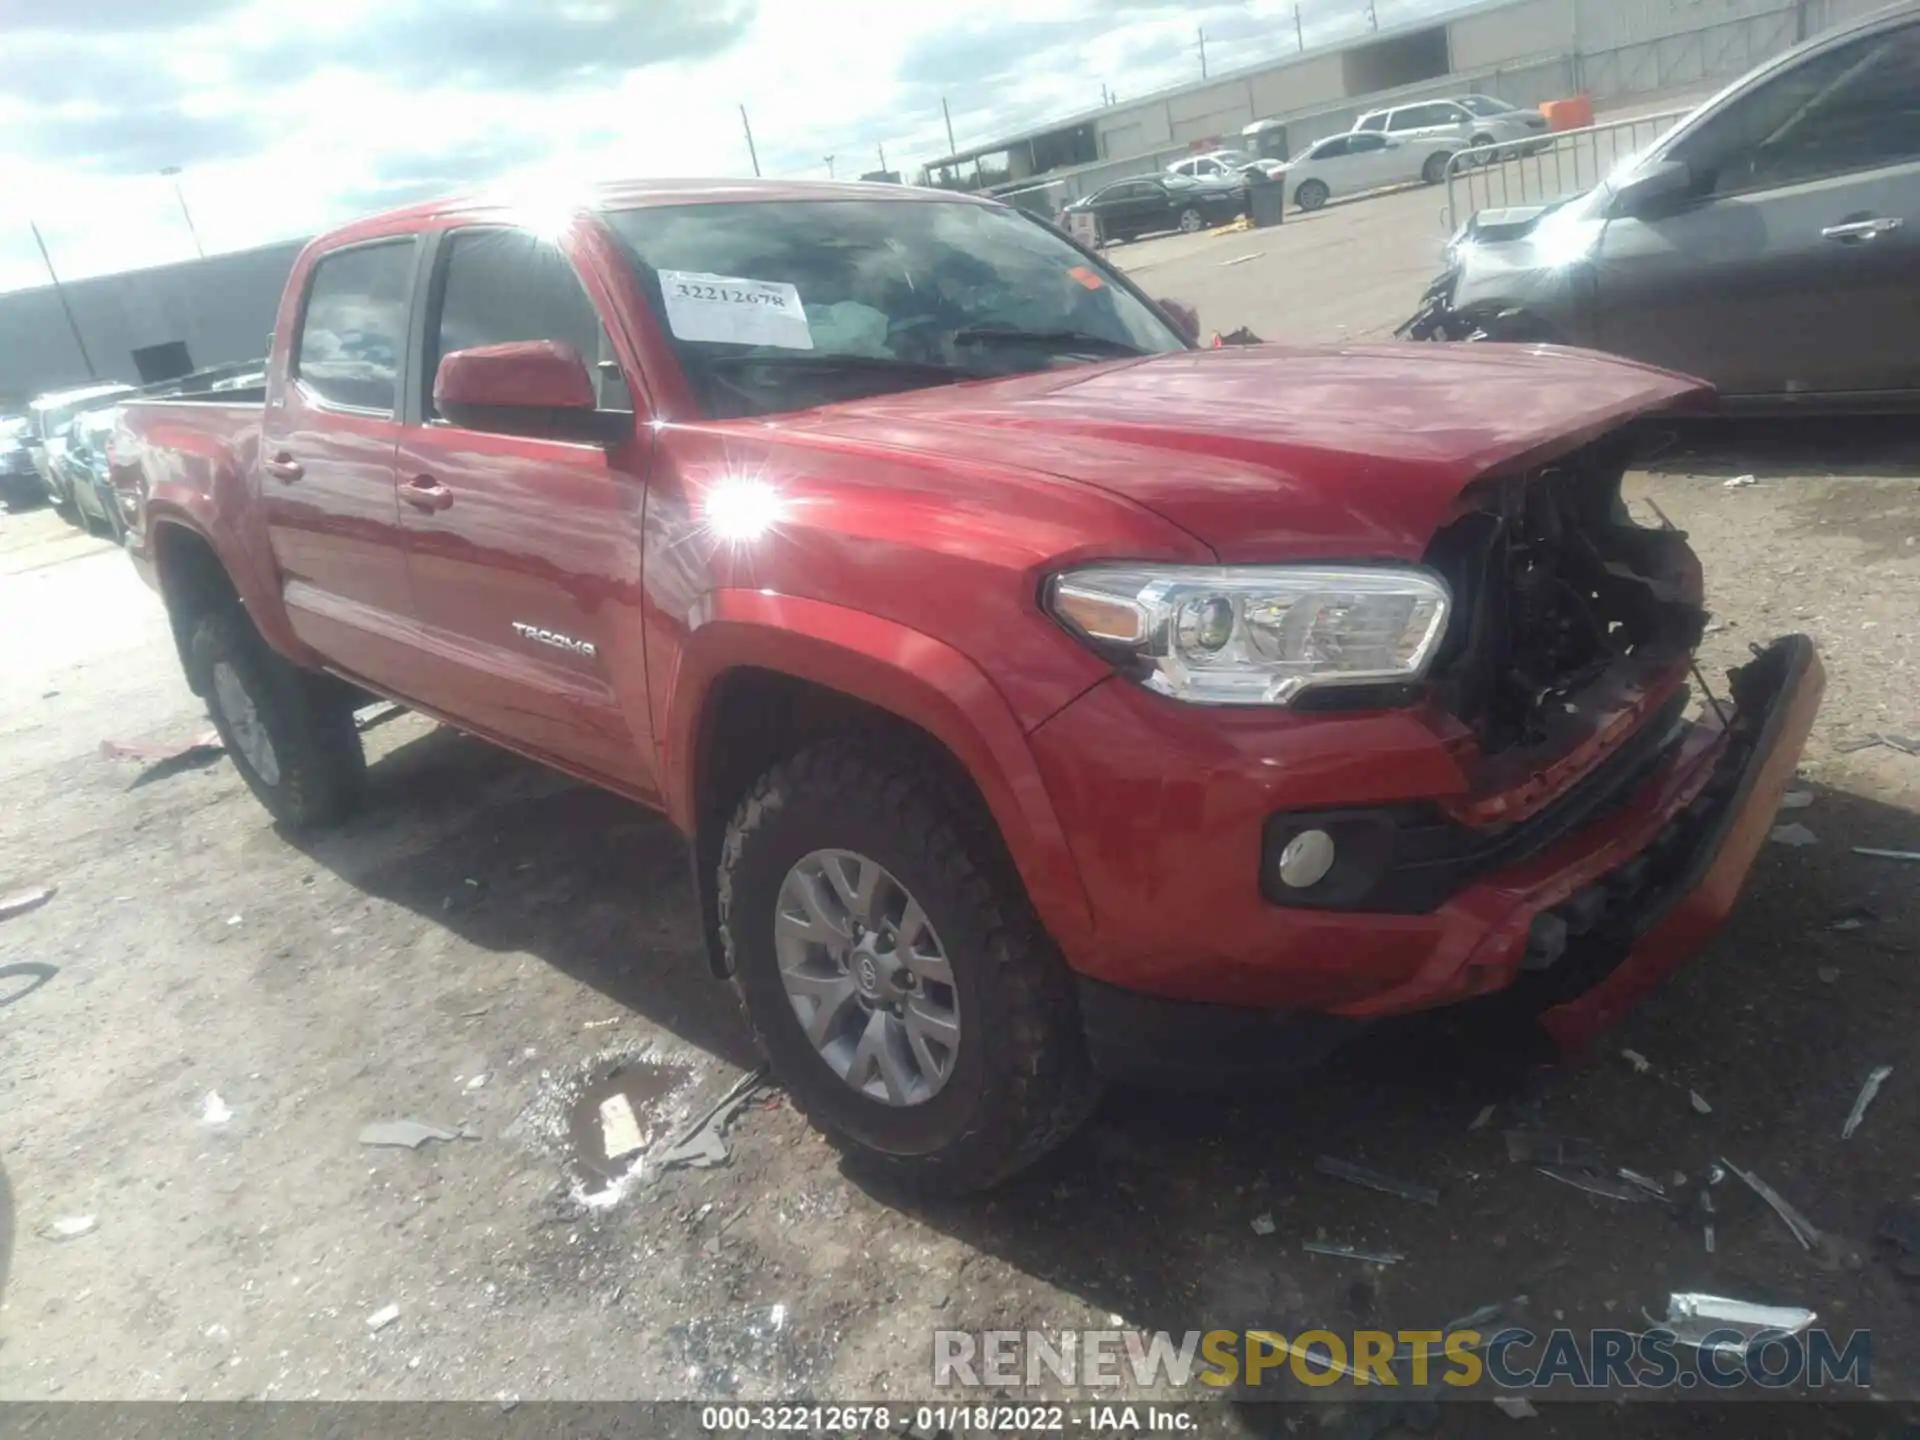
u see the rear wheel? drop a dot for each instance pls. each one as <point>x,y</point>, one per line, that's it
<point>1192,221</point>
<point>290,733</point>
<point>1481,140</point>
<point>893,974</point>
<point>1312,195</point>
<point>1435,170</point>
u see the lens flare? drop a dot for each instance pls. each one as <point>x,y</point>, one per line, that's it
<point>742,509</point>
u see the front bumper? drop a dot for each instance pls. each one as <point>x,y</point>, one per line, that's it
<point>1197,975</point>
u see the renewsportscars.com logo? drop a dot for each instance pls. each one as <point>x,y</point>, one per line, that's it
<point>1513,1358</point>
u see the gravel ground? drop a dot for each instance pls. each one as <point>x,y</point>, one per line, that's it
<point>488,941</point>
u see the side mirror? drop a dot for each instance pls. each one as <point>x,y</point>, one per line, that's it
<point>1650,188</point>
<point>1185,319</point>
<point>537,388</point>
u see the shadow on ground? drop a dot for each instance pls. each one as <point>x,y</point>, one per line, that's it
<point>1800,447</point>
<point>513,857</point>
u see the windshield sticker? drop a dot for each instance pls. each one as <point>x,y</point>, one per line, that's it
<point>1087,278</point>
<point>728,310</point>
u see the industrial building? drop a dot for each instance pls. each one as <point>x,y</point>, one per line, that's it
<point>141,325</point>
<point>1521,51</point>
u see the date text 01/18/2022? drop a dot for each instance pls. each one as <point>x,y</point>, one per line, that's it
<point>928,1421</point>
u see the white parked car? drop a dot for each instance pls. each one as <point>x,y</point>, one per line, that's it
<point>1359,161</point>
<point>1226,165</point>
<point>1467,123</point>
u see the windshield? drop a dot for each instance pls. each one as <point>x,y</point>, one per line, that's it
<point>773,306</point>
<point>1485,105</point>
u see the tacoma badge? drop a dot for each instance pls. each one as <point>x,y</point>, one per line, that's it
<point>555,639</point>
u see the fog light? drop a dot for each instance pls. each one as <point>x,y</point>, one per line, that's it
<point>1307,859</point>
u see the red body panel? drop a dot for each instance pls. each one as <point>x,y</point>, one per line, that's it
<point>579,603</point>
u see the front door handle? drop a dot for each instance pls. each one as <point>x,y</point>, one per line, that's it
<point>1857,230</point>
<point>423,492</point>
<point>283,467</point>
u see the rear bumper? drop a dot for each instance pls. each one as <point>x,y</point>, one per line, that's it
<point>1579,932</point>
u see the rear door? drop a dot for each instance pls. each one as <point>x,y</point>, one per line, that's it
<point>1438,119</point>
<point>525,552</point>
<point>1794,270</point>
<point>326,462</point>
<point>1374,160</point>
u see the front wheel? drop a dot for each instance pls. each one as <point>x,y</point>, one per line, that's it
<point>1312,195</point>
<point>893,974</point>
<point>1192,222</point>
<point>290,733</point>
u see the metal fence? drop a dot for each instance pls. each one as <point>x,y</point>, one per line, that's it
<point>1557,167</point>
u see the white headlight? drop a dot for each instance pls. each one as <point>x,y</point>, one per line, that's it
<point>1243,635</point>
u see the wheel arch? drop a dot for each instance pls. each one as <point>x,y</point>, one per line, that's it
<point>767,675</point>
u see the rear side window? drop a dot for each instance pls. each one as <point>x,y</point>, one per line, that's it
<point>1416,117</point>
<point>1377,121</point>
<point>355,327</point>
<point>1327,149</point>
<point>498,286</point>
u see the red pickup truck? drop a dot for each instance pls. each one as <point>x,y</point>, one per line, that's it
<point>1044,699</point>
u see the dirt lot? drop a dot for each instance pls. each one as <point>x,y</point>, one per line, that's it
<point>488,939</point>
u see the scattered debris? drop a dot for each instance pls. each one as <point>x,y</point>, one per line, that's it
<point>1796,800</point>
<point>1699,1103</point>
<point>1854,917</point>
<point>1900,1228</point>
<point>1348,1252</point>
<point>1875,1080</point>
<point>1594,1183</point>
<point>600,1024</point>
<point>1905,744</point>
<point>383,1317</point>
<point>1803,1229</point>
<point>1645,1182</point>
<point>1515,1407</point>
<point>1694,1319</point>
<point>1484,1118</point>
<point>1242,336</point>
<point>21,902</point>
<point>155,752</point>
<point>1263,1224</point>
<point>1857,742</point>
<point>1641,1065</point>
<point>477,1081</point>
<point>1887,854</point>
<point>620,1128</point>
<point>1740,482</point>
<point>1374,1180</point>
<point>408,1134</point>
<point>1530,1147</point>
<point>67,1227</point>
<point>1796,835</point>
<point>706,1143</point>
<point>214,1111</point>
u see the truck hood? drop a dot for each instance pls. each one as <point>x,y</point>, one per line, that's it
<point>1270,453</point>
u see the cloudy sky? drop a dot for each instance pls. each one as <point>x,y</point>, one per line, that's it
<point>285,118</point>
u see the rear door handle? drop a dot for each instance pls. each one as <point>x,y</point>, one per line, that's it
<point>1862,229</point>
<point>283,467</point>
<point>423,492</point>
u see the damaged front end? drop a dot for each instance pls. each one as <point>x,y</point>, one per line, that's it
<point>1506,276</point>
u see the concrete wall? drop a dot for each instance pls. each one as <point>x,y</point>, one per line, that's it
<point>221,307</point>
<point>1537,28</point>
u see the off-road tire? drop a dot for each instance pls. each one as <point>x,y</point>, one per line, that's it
<point>1312,195</point>
<point>307,719</point>
<point>1021,1082</point>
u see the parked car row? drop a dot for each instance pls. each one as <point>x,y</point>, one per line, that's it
<point>1406,143</point>
<point>58,451</point>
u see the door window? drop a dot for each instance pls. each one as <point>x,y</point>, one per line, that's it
<point>1366,144</point>
<point>1419,117</point>
<point>355,326</point>
<point>1338,145</point>
<point>1376,121</point>
<point>498,286</point>
<point>1856,107</point>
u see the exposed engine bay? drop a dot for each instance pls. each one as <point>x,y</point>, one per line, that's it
<point>1562,602</point>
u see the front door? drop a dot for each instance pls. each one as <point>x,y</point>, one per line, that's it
<point>1787,272</point>
<point>326,463</point>
<point>525,553</point>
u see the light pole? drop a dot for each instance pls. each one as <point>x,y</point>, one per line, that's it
<point>752,154</point>
<point>60,294</point>
<point>172,172</point>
